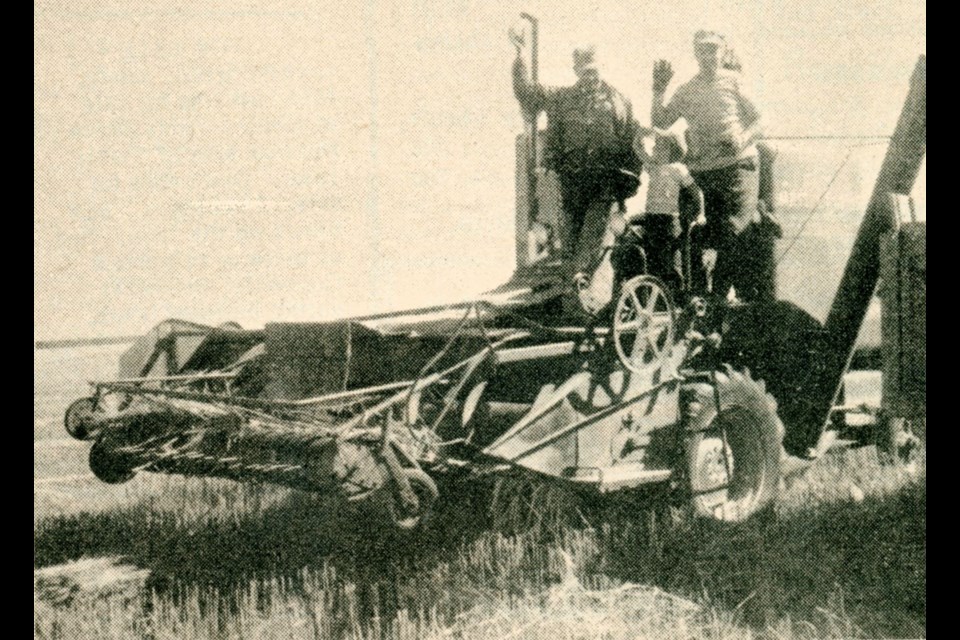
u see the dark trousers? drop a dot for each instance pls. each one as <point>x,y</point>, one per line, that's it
<point>749,265</point>
<point>745,249</point>
<point>662,245</point>
<point>587,198</point>
<point>653,248</point>
<point>729,199</point>
<point>628,257</point>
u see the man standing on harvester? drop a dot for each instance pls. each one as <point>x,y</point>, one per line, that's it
<point>589,144</point>
<point>724,125</point>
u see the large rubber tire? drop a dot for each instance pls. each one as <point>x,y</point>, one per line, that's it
<point>746,428</point>
<point>425,489</point>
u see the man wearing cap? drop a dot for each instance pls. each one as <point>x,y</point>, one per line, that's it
<point>723,126</point>
<point>589,144</point>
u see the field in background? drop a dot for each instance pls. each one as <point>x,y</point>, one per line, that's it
<point>843,555</point>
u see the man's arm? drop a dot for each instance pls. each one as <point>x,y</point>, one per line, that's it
<point>630,130</point>
<point>660,115</point>
<point>534,98</point>
<point>749,115</point>
<point>531,95</point>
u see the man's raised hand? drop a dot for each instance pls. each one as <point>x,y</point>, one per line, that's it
<point>662,75</point>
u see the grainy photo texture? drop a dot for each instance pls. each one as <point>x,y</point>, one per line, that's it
<point>547,319</point>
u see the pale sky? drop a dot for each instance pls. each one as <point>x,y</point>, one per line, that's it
<point>307,160</point>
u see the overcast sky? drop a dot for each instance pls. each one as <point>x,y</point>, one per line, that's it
<point>223,160</point>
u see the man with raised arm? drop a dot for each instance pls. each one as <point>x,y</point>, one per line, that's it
<point>723,126</point>
<point>589,144</point>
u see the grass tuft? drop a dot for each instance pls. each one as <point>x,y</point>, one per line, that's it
<point>498,559</point>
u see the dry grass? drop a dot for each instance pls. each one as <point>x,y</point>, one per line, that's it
<point>236,561</point>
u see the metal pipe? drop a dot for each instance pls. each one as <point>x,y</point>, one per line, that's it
<point>533,204</point>
<point>534,43</point>
<point>178,378</point>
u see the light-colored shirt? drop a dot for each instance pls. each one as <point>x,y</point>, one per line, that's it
<point>718,113</point>
<point>663,188</point>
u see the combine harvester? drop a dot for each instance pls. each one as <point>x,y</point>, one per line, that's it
<point>661,395</point>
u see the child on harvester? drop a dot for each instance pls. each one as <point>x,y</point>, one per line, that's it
<point>654,240</point>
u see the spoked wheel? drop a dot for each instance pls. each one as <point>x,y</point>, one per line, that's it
<point>107,466</point>
<point>733,451</point>
<point>408,517</point>
<point>643,327</point>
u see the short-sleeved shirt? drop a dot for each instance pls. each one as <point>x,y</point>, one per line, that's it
<point>663,189</point>
<point>717,112</point>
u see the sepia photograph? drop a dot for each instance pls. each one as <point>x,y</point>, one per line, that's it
<point>548,320</point>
